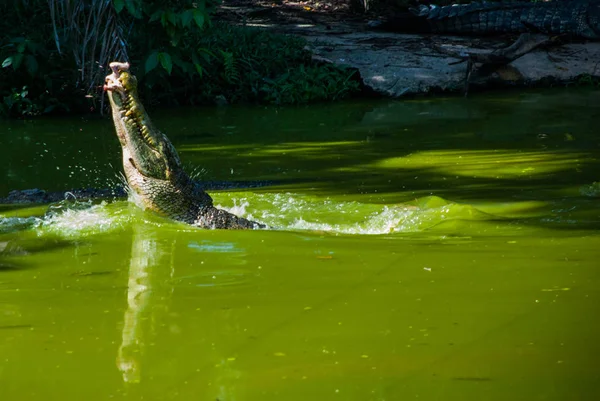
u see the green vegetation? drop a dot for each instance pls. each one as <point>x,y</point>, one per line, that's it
<point>587,80</point>
<point>54,56</point>
<point>246,65</point>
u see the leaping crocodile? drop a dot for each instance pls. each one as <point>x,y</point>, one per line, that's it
<point>580,18</point>
<point>151,163</point>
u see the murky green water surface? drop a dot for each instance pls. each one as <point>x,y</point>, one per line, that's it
<point>436,250</point>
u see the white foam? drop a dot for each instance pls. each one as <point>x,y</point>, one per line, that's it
<point>77,222</point>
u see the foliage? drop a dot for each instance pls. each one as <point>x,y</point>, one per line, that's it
<point>161,30</point>
<point>251,65</point>
<point>587,80</point>
<point>196,62</point>
<point>54,55</point>
<point>33,79</point>
<point>91,33</point>
<point>18,103</point>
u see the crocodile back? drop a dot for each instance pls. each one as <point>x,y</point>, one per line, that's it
<point>578,17</point>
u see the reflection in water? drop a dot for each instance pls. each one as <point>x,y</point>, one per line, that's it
<point>150,286</point>
<point>146,256</point>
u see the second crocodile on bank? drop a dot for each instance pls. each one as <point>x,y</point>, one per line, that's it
<point>580,18</point>
<point>151,163</point>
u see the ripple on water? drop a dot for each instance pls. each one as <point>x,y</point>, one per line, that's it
<point>217,278</point>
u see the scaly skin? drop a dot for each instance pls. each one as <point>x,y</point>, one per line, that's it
<point>151,163</point>
<point>574,17</point>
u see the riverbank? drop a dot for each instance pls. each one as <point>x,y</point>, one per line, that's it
<point>396,65</point>
<point>258,52</point>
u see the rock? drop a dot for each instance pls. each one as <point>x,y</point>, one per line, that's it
<point>397,65</point>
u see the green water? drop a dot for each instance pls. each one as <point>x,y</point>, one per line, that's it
<point>441,249</point>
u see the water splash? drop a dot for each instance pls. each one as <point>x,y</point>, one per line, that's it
<point>77,219</point>
<point>12,224</point>
<point>295,212</point>
<point>280,211</point>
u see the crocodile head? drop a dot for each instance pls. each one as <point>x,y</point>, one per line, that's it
<point>151,163</point>
<point>152,166</point>
<point>146,151</point>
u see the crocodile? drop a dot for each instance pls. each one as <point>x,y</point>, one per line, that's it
<point>579,18</point>
<point>152,166</point>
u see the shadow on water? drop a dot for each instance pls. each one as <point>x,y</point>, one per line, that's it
<point>515,148</point>
<point>518,148</point>
<point>523,147</point>
<point>13,249</point>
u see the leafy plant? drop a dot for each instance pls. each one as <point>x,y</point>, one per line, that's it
<point>19,103</point>
<point>231,71</point>
<point>23,52</point>
<point>587,80</point>
<point>172,22</point>
<point>54,55</point>
<point>251,65</point>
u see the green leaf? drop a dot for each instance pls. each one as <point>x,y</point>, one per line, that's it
<point>199,18</point>
<point>197,64</point>
<point>31,64</point>
<point>165,61</point>
<point>17,59</point>
<point>186,18</point>
<point>151,62</point>
<point>49,108</point>
<point>21,46</point>
<point>172,17</point>
<point>156,16</point>
<point>7,62</point>
<point>198,69</point>
<point>118,5</point>
<point>134,8</point>
<point>34,47</point>
<point>206,54</point>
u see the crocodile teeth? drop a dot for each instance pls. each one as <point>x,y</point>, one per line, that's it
<point>132,110</point>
